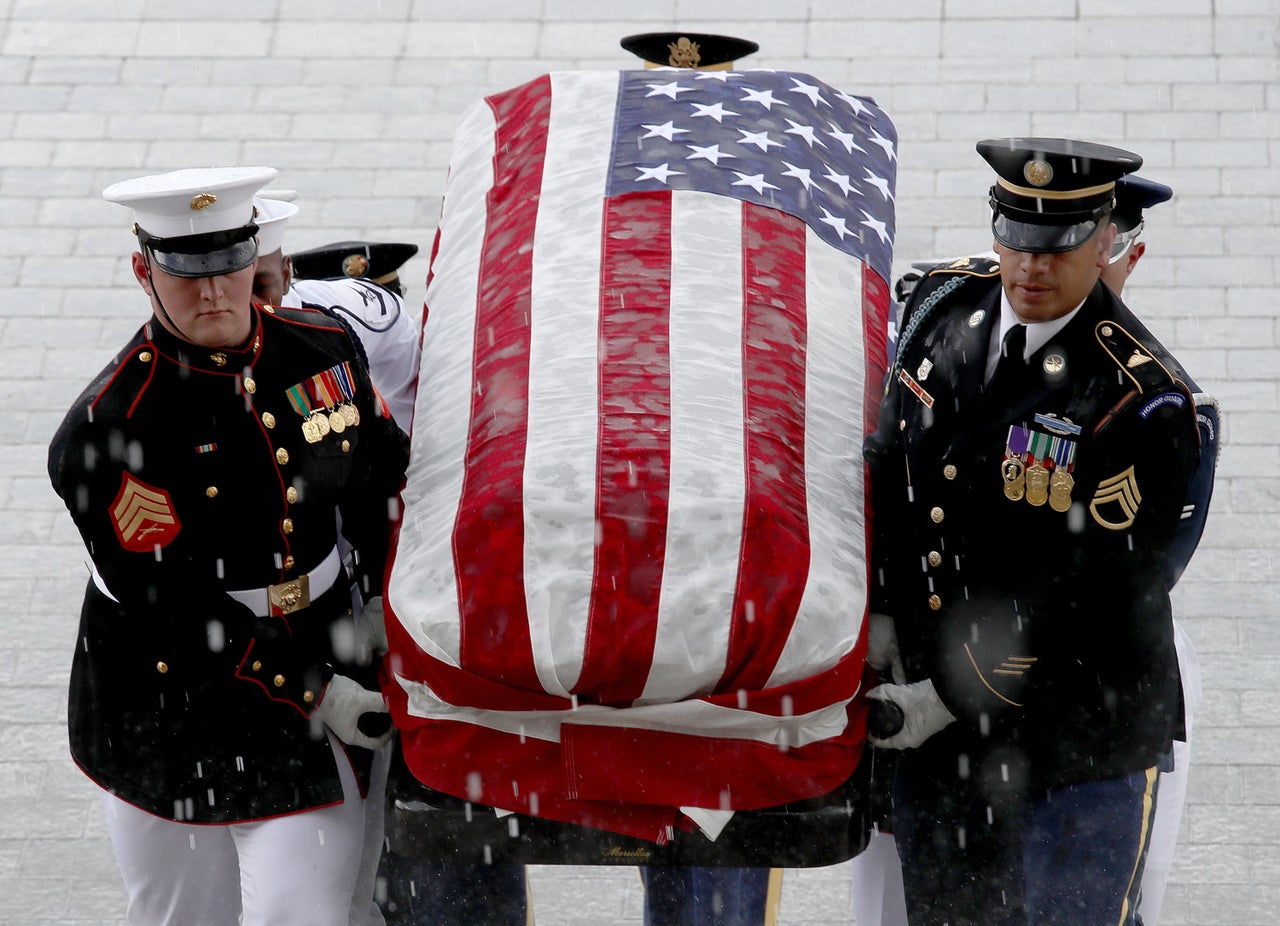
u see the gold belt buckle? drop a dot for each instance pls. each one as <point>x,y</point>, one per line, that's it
<point>291,596</point>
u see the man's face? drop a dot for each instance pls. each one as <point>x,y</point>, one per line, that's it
<point>1042,287</point>
<point>272,278</point>
<point>212,312</point>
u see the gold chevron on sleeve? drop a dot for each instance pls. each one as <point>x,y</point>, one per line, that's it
<point>144,516</point>
<point>1115,503</point>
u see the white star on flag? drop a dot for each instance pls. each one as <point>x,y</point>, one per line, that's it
<point>716,111</point>
<point>842,181</point>
<point>805,132</point>
<point>672,90</point>
<point>711,152</point>
<point>885,143</point>
<point>800,173</point>
<point>876,225</point>
<point>845,138</point>
<point>659,173</point>
<point>880,184</point>
<point>812,92</point>
<point>667,130</point>
<point>760,139</point>
<point>835,222</point>
<point>755,181</point>
<point>763,97</point>
<point>856,104</point>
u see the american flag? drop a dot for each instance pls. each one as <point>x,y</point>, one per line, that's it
<point>631,571</point>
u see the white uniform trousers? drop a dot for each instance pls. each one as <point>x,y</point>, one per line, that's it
<point>1173,790</point>
<point>878,895</point>
<point>297,869</point>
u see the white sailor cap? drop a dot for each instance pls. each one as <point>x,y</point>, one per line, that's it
<point>196,222</point>
<point>274,213</point>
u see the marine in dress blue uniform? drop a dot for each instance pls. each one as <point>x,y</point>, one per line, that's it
<point>1023,526</point>
<point>218,679</point>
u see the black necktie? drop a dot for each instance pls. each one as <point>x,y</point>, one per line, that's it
<point>1011,363</point>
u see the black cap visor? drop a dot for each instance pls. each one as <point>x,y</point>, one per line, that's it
<point>208,255</point>
<point>1045,226</point>
<point>1040,239</point>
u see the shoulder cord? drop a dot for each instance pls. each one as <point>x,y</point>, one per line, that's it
<point>917,319</point>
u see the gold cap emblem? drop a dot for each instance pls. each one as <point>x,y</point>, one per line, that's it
<point>203,201</point>
<point>355,265</point>
<point>1038,173</point>
<point>684,53</point>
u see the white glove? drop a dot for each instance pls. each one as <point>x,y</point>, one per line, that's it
<point>882,647</point>
<point>924,714</point>
<point>344,704</point>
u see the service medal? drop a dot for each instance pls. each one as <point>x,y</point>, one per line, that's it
<point>1012,470</point>
<point>1037,484</point>
<point>322,423</point>
<point>349,414</point>
<point>311,431</point>
<point>1060,485</point>
<point>337,422</point>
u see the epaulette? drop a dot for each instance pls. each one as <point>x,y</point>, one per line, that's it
<point>936,286</point>
<point>1135,360</point>
<point>970,266</point>
<point>304,315</point>
<point>117,387</point>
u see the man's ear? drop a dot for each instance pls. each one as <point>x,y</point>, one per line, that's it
<point>1105,239</point>
<point>1136,250</point>
<point>139,263</point>
<point>286,273</point>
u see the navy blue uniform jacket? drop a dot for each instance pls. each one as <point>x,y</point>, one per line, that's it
<point>1046,630</point>
<point>188,473</point>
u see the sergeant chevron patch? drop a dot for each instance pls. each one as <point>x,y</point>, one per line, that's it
<point>1119,498</point>
<point>143,516</point>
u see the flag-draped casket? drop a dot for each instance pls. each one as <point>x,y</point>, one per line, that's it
<point>631,572</point>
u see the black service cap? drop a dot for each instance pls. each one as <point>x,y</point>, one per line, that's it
<point>688,49</point>
<point>1133,194</point>
<point>374,260</point>
<point>1050,193</point>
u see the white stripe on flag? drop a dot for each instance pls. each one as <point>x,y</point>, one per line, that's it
<point>707,473</point>
<point>423,589</point>
<point>694,718</point>
<point>830,612</point>
<point>560,462</point>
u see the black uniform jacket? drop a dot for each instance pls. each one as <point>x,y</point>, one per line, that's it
<point>188,473</point>
<point>1020,531</point>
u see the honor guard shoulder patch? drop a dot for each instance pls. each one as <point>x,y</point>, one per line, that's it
<point>143,516</point>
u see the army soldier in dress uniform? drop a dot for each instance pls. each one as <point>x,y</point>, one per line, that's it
<point>1031,464</point>
<point>219,696</point>
<point>1134,195</point>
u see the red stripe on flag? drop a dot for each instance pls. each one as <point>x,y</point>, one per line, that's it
<point>875,340</point>
<point>488,536</point>
<point>774,563</point>
<point>634,457</point>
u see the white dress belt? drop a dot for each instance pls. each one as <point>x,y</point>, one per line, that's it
<point>258,600</point>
